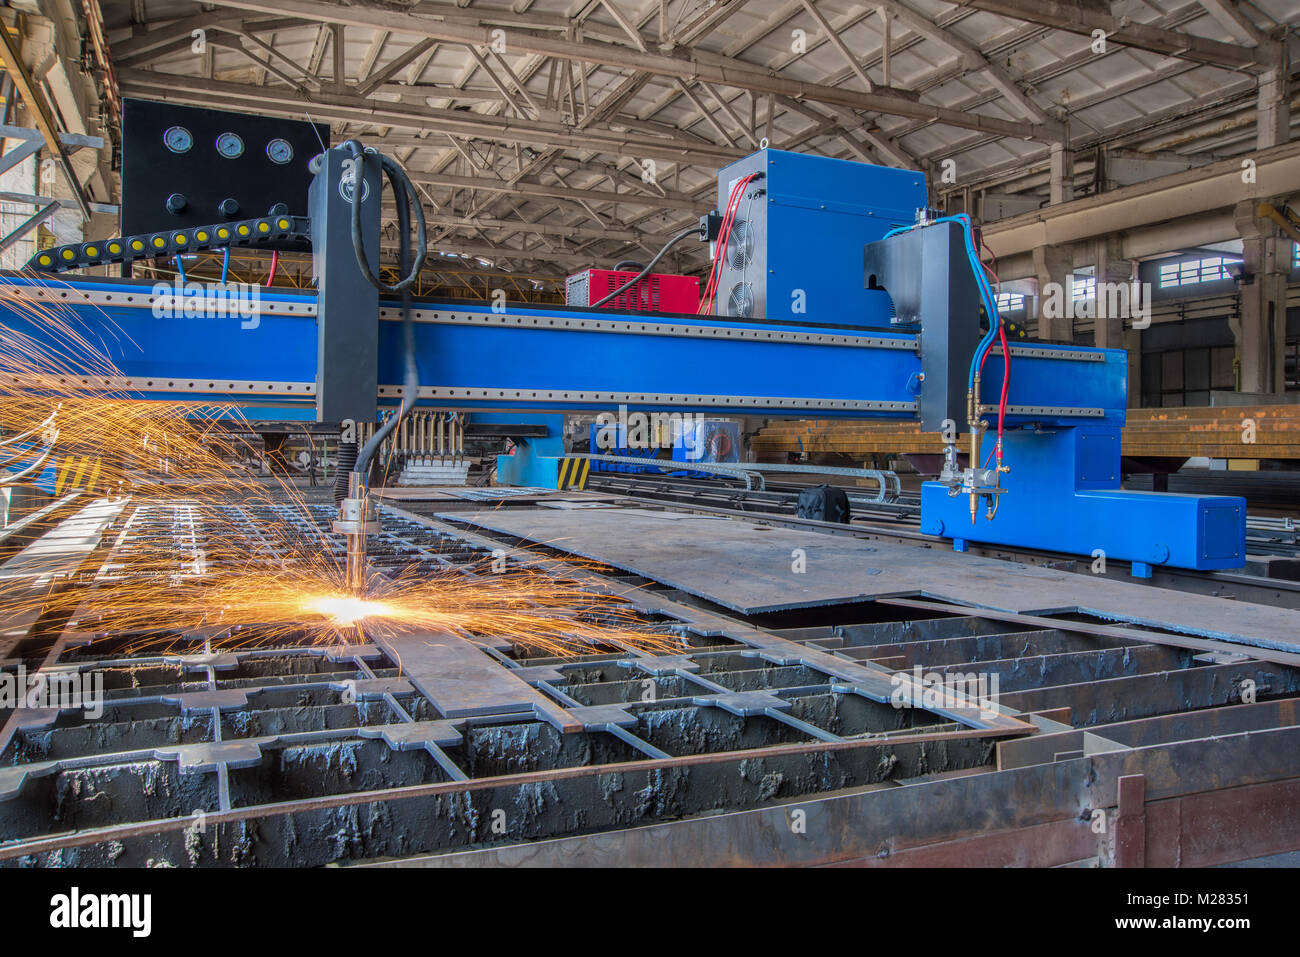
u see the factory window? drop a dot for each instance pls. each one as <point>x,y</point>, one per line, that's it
<point>1011,302</point>
<point>1181,377</point>
<point>1084,287</point>
<point>1192,271</point>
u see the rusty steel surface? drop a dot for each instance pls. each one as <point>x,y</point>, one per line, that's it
<point>738,741</point>
<point>749,567</point>
<point>1178,433</point>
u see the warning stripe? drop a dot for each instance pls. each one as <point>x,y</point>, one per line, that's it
<point>63,474</point>
<point>573,473</point>
<point>81,470</point>
<point>72,470</point>
<point>94,475</point>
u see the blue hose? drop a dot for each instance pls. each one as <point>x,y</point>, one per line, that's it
<point>986,292</point>
<point>225,266</point>
<point>180,268</point>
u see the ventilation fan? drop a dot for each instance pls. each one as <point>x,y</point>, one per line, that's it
<point>740,302</point>
<point>740,244</point>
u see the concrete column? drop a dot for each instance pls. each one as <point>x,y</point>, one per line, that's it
<point>1273,108</point>
<point>1053,266</point>
<point>1260,332</point>
<point>1110,311</point>
<point>1062,173</point>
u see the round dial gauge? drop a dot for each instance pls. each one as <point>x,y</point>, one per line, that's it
<point>178,139</point>
<point>279,151</point>
<point>230,145</point>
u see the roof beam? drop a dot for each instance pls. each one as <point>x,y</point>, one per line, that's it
<point>972,57</point>
<point>726,108</point>
<point>395,66</point>
<point>508,96</point>
<point>705,112</point>
<point>346,106</point>
<point>533,188</point>
<point>1232,19</point>
<point>623,22</point>
<point>153,40</point>
<point>558,230</point>
<point>838,43</point>
<point>497,253</point>
<point>687,65</point>
<point>1076,18</point>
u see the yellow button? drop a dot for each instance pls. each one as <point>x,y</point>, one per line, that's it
<point>201,236</point>
<point>45,260</point>
<point>243,230</point>
<point>92,251</point>
<point>114,248</point>
<point>137,245</point>
<point>223,232</point>
<point>69,254</point>
<point>283,224</point>
<point>263,227</point>
<point>159,242</point>
<point>180,239</point>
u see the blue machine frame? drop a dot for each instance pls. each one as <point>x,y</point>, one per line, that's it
<point>1066,403</point>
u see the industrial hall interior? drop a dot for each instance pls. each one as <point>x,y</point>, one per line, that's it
<point>648,433</point>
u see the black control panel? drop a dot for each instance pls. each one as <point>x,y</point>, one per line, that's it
<point>184,167</point>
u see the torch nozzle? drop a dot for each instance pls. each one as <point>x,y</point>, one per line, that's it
<point>355,572</point>
<point>356,520</point>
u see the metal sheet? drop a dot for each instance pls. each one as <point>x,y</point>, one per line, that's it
<point>748,567</point>
<point>462,681</point>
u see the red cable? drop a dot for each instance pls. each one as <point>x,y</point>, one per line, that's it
<point>1006,383</point>
<point>1006,351</point>
<point>275,261</point>
<point>717,255</point>
<point>724,235</point>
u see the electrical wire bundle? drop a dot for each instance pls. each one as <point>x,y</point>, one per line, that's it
<point>411,258</point>
<point>724,235</point>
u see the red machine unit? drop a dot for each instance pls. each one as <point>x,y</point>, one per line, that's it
<point>657,292</point>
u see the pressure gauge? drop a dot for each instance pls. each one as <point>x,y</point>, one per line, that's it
<point>230,145</point>
<point>279,151</point>
<point>178,139</point>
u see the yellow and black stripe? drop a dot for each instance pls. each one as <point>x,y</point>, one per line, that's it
<point>247,232</point>
<point>78,471</point>
<point>573,473</point>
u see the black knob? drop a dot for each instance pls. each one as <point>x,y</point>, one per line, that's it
<point>279,209</point>
<point>177,204</point>
<point>229,208</point>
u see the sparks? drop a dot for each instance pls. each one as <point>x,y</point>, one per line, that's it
<point>346,609</point>
<point>194,564</point>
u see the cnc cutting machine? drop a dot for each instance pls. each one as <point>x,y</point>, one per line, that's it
<point>838,295</point>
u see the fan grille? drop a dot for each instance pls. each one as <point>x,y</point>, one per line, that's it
<point>740,302</point>
<point>740,244</point>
